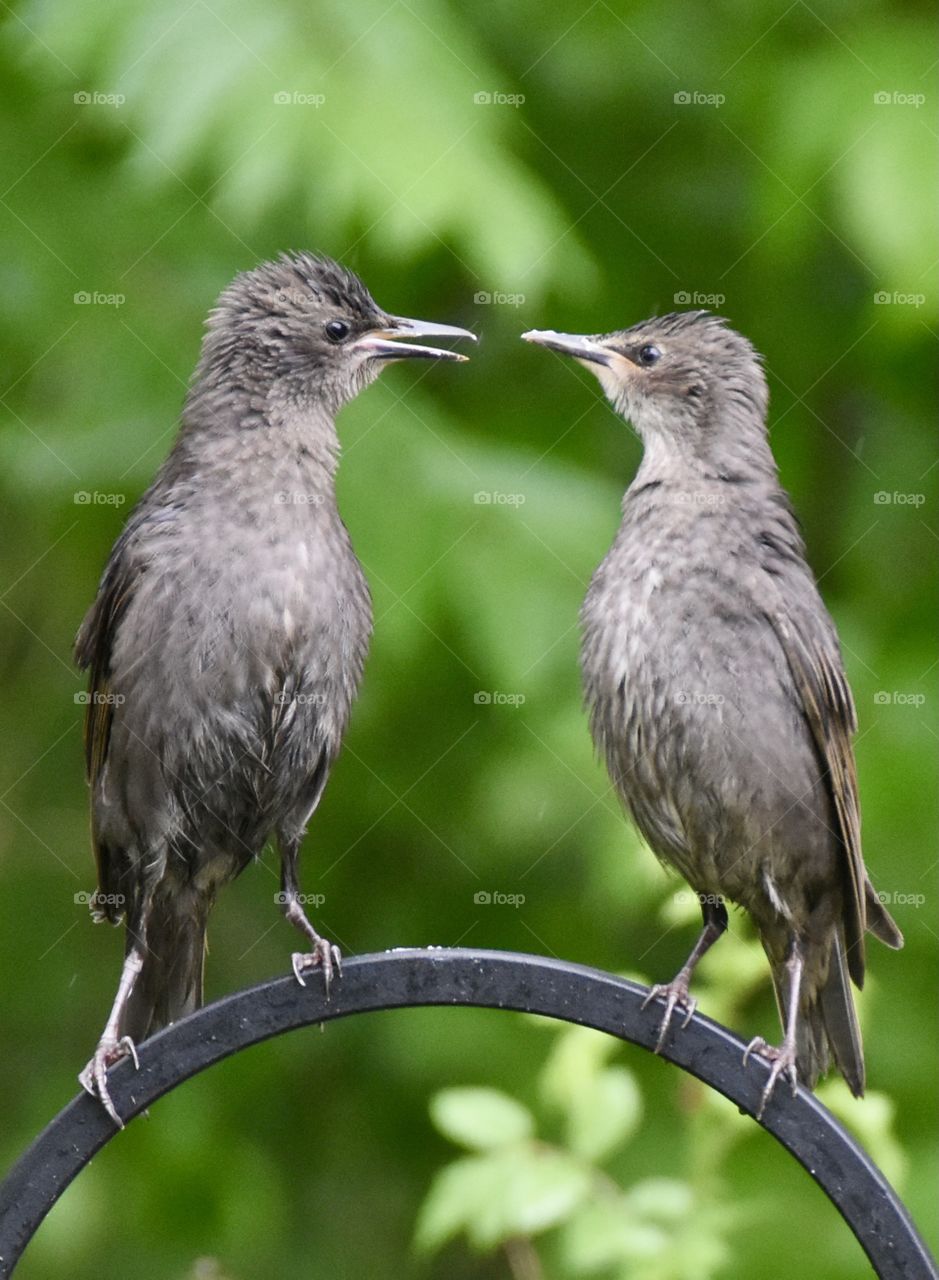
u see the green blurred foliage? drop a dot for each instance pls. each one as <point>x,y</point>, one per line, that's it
<point>557,1208</point>
<point>480,499</point>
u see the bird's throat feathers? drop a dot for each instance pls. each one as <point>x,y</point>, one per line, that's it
<point>687,449</point>
<point>261,420</point>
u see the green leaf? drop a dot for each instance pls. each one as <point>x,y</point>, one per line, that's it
<point>661,1199</point>
<point>604,1233</point>
<point>603,1116</point>
<point>457,1198</point>
<point>480,1118</point>
<point>533,1189</point>
<point>577,1057</point>
<point>514,1191</point>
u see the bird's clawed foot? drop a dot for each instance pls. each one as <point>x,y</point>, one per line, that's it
<point>324,955</point>
<point>783,1060</point>
<point>676,996</point>
<point>94,1078</point>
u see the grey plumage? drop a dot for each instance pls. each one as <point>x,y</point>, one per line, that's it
<point>229,635</point>
<point>715,683</point>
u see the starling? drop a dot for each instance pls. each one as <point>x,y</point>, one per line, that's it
<point>227,641</point>
<point>716,688</point>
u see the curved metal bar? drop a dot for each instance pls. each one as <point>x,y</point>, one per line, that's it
<point>483,979</point>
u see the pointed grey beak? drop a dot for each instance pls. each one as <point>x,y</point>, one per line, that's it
<point>578,345</point>
<point>384,344</point>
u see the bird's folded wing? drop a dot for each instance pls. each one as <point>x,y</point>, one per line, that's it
<point>815,662</point>
<point>93,652</point>
<point>93,647</point>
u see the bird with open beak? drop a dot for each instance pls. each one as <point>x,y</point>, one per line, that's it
<point>716,688</point>
<point>228,638</point>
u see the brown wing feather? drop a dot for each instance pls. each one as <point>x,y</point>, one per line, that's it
<point>829,709</point>
<point>93,652</point>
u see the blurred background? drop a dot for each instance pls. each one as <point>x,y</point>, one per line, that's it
<point>499,167</point>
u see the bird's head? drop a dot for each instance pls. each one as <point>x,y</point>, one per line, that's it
<point>308,329</point>
<point>690,385</point>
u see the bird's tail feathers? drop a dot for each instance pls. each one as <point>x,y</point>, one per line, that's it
<point>169,984</point>
<point>838,1017</point>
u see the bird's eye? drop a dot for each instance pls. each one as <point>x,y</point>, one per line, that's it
<point>336,330</point>
<point>649,355</point>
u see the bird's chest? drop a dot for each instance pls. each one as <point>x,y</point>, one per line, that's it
<point>307,617</point>
<point>266,588</point>
<point>634,621</point>
<point>665,604</point>
<point>662,645</point>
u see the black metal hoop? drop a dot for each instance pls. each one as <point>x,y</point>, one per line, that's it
<point>484,979</point>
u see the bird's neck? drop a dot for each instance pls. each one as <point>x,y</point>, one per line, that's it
<point>229,433</point>
<point>691,464</point>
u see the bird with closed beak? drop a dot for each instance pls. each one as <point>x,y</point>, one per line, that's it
<point>229,634</point>
<point>716,688</point>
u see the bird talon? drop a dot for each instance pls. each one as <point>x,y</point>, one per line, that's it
<point>297,960</point>
<point>675,994</point>
<point>324,955</point>
<point>130,1049</point>
<point>756,1045</point>
<point>94,1077</point>
<point>782,1062</point>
